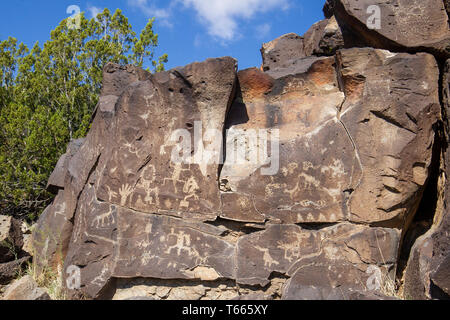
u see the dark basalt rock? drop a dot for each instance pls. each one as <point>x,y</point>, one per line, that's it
<point>411,26</point>
<point>327,155</point>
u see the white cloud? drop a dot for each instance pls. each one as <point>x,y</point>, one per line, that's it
<point>198,41</point>
<point>222,16</point>
<point>94,11</point>
<point>263,30</point>
<point>149,9</point>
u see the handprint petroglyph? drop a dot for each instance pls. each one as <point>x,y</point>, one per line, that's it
<point>124,192</point>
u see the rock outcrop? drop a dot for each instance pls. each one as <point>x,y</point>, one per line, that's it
<point>401,25</point>
<point>11,239</point>
<point>323,38</point>
<point>298,180</point>
<point>13,252</point>
<point>11,270</point>
<point>427,273</point>
<point>25,289</point>
<point>331,169</point>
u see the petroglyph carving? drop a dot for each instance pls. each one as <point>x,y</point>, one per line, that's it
<point>269,261</point>
<point>104,220</point>
<point>124,192</point>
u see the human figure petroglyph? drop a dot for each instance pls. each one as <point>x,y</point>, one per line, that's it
<point>182,243</point>
<point>111,194</point>
<point>190,187</point>
<point>60,209</point>
<point>147,183</point>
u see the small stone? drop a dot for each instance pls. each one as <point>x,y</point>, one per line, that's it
<point>10,270</point>
<point>162,292</point>
<point>25,289</point>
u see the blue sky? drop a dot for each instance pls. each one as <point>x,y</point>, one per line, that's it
<point>189,30</point>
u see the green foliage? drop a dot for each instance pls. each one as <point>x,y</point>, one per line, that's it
<point>47,96</point>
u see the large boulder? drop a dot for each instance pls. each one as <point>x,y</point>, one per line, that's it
<point>346,251</point>
<point>324,38</point>
<point>331,134</point>
<point>51,236</point>
<point>355,138</point>
<point>11,270</point>
<point>427,272</point>
<point>401,25</point>
<point>282,51</point>
<point>391,110</point>
<point>301,181</point>
<point>58,176</point>
<point>25,288</point>
<point>126,175</point>
<point>11,239</point>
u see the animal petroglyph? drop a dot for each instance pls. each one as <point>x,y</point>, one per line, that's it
<point>191,187</point>
<point>104,220</point>
<point>269,261</point>
<point>317,204</point>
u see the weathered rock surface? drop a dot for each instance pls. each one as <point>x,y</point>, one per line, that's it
<point>441,278</point>
<point>324,38</point>
<point>355,135</point>
<point>282,51</point>
<point>427,272</point>
<point>426,275</point>
<point>391,107</point>
<point>11,240</point>
<point>139,215</point>
<point>141,119</point>
<point>58,176</point>
<point>404,25</point>
<point>25,289</point>
<point>11,270</point>
<point>327,155</point>
<point>291,250</point>
<point>52,234</point>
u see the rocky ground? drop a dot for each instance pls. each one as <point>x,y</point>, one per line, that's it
<point>339,190</point>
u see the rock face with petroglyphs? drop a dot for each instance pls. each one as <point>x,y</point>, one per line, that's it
<point>303,179</point>
<point>399,25</point>
<point>355,139</point>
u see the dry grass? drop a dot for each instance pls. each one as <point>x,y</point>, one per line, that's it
<point>389,285</point>
<point>48,279</point>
